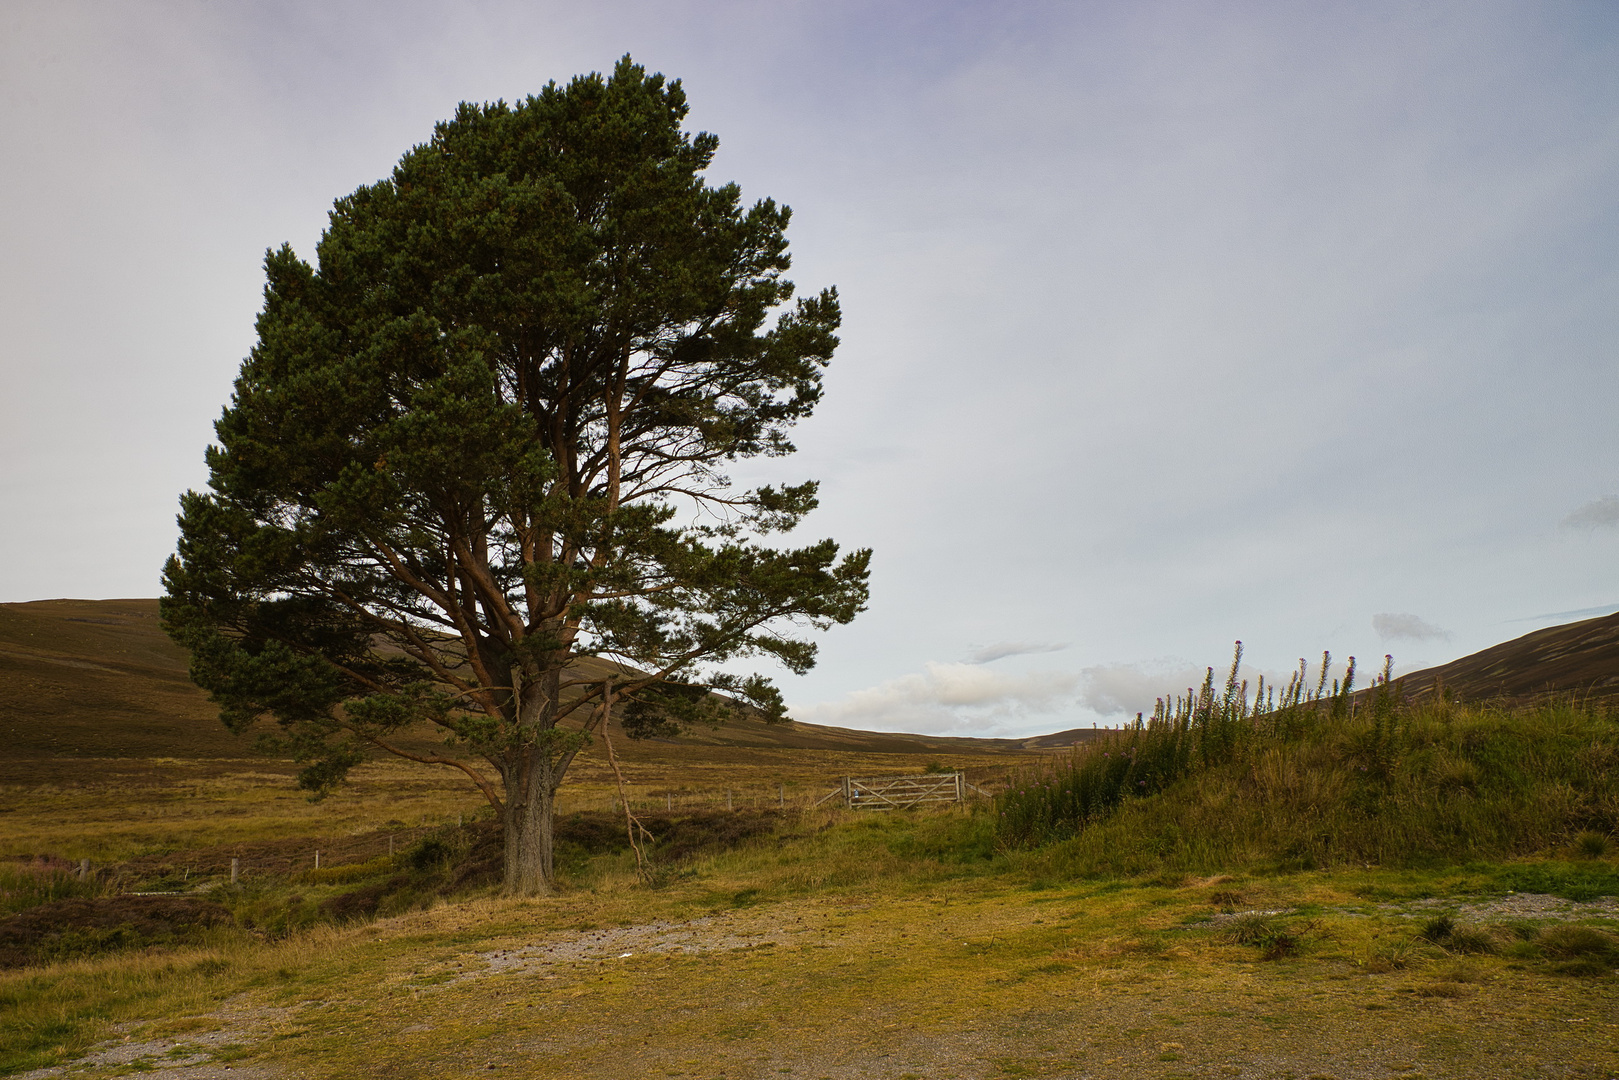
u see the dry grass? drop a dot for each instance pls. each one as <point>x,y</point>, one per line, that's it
<point>1303,788</point>
<point>116,809</point>
<point>849,946</point>
<point>840,945</point>
<point>974,978</point>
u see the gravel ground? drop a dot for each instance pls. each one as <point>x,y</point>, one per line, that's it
<point>719,933</point>
<point>185,1057</point>
<point>1515,906</point>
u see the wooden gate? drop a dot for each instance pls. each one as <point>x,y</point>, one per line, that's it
<point>899,792</point>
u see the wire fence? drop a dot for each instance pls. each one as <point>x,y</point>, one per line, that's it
<point>182,871</point>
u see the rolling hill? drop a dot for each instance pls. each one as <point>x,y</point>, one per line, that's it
<point>1580,658</point>
<point>100,679</point>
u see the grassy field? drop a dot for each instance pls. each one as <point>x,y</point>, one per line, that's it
<point>829,944</point>
<point>111,810</point>
<point>1349,889</point>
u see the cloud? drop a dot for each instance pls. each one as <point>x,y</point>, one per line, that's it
<point>1600,513</point>
<point>1126,689</point>
<point>968,698</point>
<point>1000,650</point>
<point>1112,689</point>
<point>948,699</point>
<point>1392,626</point>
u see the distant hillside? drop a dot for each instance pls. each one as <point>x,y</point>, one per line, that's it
<point>1576,658</point>
<point>98,678</point>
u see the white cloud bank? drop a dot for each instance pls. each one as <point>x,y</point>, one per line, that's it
<point>953,699</point>
<point>1126,689</point>
<point>1600,513</point>
<point>1403,626</point>
<point>971,699</point>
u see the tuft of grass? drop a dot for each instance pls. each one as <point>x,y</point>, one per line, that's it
<point>1273,935</point>
<point>1251,928</point>
<point>1571,942</point>
<point>1472,939</point>
<point>1438,929</point>
<point>1383,955</point>
<point>1445,932</point>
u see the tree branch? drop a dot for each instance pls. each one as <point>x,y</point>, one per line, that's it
<point>433,759</point>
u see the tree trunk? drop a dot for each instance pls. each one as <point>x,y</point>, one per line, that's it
<point>529,802</point>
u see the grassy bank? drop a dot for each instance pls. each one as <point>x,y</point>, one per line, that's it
<point>1212,783</point>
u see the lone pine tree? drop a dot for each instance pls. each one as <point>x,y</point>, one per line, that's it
<point>483,438</point>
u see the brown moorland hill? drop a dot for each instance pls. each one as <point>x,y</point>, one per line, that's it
<point>1580,658</point>
<point>100,679</point>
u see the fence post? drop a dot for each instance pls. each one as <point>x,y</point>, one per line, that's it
<point>317,858</point>
<point>961,793</point>
<point>669,799</point>
<point>848,795</point>
<point>781,796</point>
<point>235,869</point>
<point>727,798</point>
<point>84,869</point>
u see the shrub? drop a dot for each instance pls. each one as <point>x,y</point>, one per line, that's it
<point>429,853</point>
<point>392,896</point>
<point>28,883</point>
<point>62,929</point>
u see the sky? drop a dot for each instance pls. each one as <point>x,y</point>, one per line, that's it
<point>1166,324</point>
